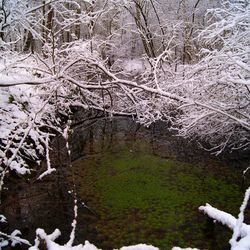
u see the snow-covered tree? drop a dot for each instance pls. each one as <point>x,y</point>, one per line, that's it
<point>57,55</point>
<point>219,83</point>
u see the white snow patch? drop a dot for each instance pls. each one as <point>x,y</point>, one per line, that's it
<point>140,247</point>
<point>4,243</point>
<point>18,168</point>
<point>134,66</point>
<point>178,248</point>
<point>2,219</point>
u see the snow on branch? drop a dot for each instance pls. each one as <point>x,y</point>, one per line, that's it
<point>13,239</point>
<point>239,224</point>
<point>49,168</point>
<point>10,82</point>
<point>51,245</point>
<point>224,218</point>
<point>239,228</point>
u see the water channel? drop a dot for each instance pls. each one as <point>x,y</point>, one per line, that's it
<point>134,185</point>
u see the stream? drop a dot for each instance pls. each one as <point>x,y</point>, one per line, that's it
<point>133,185</point>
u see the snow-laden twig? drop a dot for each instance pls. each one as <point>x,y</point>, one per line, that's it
<point>74,223</point>
<point>66,135</point>
<point>239,228</point>
<point>4,83</point>
<point>224,218</point>
<point>14,238</point>
<point>246,170</point>
<point>239,223</point>
<point>156,65</point>
<point>2,219</point>
<point>49,168</point>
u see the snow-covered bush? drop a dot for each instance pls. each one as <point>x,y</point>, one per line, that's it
<point>26,123</point>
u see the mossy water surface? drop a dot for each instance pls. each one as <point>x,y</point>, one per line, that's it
<point>136,196</point>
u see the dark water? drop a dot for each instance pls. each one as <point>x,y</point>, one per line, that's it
<point>137,184</point>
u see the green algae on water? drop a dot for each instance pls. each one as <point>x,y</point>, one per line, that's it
<point>141,197</point>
